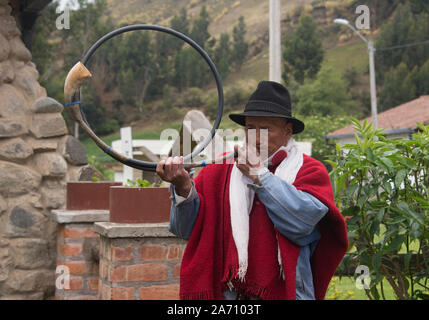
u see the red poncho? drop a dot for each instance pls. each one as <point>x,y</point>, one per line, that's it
<point>210,258</point>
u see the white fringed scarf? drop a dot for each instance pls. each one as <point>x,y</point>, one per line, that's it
<point>241,201</point>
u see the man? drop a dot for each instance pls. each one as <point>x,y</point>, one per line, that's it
<point>258,228</point>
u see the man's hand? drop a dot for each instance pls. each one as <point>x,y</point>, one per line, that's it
<point>172,170</point>
<point>249,165</point>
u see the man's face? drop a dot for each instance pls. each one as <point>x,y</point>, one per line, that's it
<point>278,131</point>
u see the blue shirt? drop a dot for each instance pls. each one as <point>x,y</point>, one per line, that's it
<point>294,213</point>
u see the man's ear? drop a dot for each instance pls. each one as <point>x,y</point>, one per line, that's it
<point>289,128</point>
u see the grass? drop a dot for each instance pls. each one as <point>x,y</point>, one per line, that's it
<point>347,56</point>
<point>152,133</point>
<point>344,288</point>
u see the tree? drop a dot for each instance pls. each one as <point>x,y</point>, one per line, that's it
<point>380,10</point>
<point>182,63</point>
<point>200,29</point>
<point>419,6</point>
<point>138,67</point>
<point>88,24</point>
<point>423,80</point>
<point>303,54</point>
<point>42,49</point>
<point>179,23</point>
<point>222,55</point>
<point>398,88</point>
<point>404,28</point>
<point>240,46</point>
<point>327,95</point>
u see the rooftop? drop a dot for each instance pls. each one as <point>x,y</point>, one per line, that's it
<point>402,118</point>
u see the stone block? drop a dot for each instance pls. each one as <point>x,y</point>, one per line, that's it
<point>47,105</point>
<point>12,103</point>
<point>30,253</point>
<point>4,48</point>
<point>29,280</point>
<point>42,145</point>
<point>19,50</point>
<point>7,74</point>
<point>24,221</point>
<point>8,27</point>
<point>6,263</point>
<point>3,205</point>
<point>5,8</point>
<point>50,164</point>
<point>77,216</point>
<point>47,125</point>
<point>73,151</point>
<point>25,296</point>
<point>26,80</point>
<point>84,173</point>
<point>12,127</point>
<point>53,199</point>
<point>15,149</point>
<point>16,179</point>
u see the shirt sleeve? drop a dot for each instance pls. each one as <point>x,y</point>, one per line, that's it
<point>294,213</point>
<point>180,199</point>
<point>183,212</point>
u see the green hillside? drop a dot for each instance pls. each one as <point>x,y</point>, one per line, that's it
<point>224,13</point>
<point>343,52</point>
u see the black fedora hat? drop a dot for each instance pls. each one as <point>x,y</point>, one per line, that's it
<point>270,99</point>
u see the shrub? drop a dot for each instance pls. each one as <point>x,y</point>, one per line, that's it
<point>193,97</point>
<point>316,127</point>
<point>381,187</point>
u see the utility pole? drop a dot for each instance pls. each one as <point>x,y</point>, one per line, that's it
<point>371,50</point>
<point>275,42</point>
<point>76,130</point>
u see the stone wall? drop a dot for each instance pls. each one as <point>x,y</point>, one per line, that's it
<point>37,158</point>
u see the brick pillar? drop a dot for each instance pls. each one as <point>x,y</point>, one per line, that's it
<point>139,261</point>
<point>78,250</point>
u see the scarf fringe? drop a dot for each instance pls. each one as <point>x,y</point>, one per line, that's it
<point>242,270</point>
<point>205,295</point>
<point>248,288</point>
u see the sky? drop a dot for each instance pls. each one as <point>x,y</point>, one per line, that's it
<point>71,3</point>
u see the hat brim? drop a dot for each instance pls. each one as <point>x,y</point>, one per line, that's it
<point>298,125</point>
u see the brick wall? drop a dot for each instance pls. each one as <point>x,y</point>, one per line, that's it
<point>75,249</point>
<point>140,265</point>
<point>77,254</point>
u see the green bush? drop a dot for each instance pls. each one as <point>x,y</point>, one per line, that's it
<point>194,97</point>
<point>316,127</point>
<point>381,187</point>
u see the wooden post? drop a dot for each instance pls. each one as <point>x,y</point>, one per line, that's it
<point>127,150</point>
